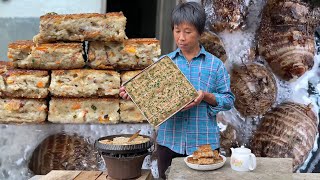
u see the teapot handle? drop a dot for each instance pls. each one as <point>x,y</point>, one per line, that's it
<point>253,162</point>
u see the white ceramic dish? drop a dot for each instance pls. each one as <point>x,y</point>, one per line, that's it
<point>205,167</point>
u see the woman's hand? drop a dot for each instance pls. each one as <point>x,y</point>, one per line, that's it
<point>123,93</point>
<point>196,102</point>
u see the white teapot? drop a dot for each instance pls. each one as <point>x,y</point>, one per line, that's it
<point>242,159</point>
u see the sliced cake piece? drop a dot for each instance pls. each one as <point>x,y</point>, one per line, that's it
<point>84,110</point>
<point>56,56</point>
<point>127,75</point>
<point>24,83</point>
<point>129,112</point>
<point>5,66</point>
<point>130,54</point>
<point>23,110</point>
<point>19,51</point>
<point>46,56</point>
<point>84,83</point>
<point>81,27</point>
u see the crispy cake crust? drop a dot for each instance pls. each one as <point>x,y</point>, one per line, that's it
<point>84,71</point>
<point>79,16</point>
<point>21,44</point>
<point>17,72</point>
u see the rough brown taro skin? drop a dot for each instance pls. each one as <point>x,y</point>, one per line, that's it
<point>213,44</point>
<point>287,131</point>
<point>64,152</point>
<point>228,135</point>
<point>228,139</point>
<point>225,14</point>
<point>255,89</point>
<point>286,37</point>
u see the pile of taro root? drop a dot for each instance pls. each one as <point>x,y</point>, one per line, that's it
<point>285,40</point>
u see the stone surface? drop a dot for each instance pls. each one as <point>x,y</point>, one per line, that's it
<point>267,168</point>
<point>306,176</point>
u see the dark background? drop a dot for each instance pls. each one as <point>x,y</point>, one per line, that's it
<point>141,16</point>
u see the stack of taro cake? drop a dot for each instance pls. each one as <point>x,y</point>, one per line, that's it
<point>60,78</point>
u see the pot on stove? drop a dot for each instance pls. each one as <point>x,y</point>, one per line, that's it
<point>123,161</point>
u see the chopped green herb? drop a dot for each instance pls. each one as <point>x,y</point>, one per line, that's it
<point>52,13</point>
<point>74,116</point>
<point>93,107</point>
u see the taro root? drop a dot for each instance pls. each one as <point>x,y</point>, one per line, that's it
<point>255,89</point>
<point>287,131</point>
<point>228,139</point>
<point>213,44</point>
<point>64,152</point>
<point>228,134</point>
<point>225,14</point>
<point>286,37</point>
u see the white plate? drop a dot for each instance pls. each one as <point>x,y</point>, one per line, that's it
<point>205,167</point>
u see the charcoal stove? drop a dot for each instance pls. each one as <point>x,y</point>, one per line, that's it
<point>124,161</point>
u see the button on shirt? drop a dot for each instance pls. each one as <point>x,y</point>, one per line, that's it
<point>186,130</point>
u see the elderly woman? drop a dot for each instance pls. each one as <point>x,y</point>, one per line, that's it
<point>196,124</point>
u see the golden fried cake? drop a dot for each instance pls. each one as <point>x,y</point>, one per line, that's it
<point>24,83</point>
<point>204,155</point>
<point>127,55</point>
<point>81,27</point>
<point>23,110</point>
<point>84,110</point>
<point>84,83</point>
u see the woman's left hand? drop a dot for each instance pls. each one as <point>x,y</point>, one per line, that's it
<point>196,102</point>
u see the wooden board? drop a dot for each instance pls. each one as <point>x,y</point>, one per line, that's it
<point>61,175</point>
<point>145,175</point>
<point>103,176</point>
<point>86,175</point>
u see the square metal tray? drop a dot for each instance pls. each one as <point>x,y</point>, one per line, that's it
<point>160,91</point>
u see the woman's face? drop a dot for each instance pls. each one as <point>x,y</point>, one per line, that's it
<point>186,37</point>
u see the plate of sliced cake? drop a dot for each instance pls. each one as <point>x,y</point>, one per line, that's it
<point>204,159</point>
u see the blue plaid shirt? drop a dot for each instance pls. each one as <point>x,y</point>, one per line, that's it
<point>187,130</point>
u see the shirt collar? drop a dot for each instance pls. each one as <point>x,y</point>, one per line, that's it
<point>201,52</point>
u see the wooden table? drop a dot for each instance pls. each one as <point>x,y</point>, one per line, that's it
<point>85,175</point>
<point>267,168</point>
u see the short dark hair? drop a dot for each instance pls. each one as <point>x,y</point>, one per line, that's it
<point>190,12</point>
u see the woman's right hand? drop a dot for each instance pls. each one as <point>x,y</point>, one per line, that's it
<point>123,93</point>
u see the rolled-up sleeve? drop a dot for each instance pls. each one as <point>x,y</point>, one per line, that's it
<point>222,92</point>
